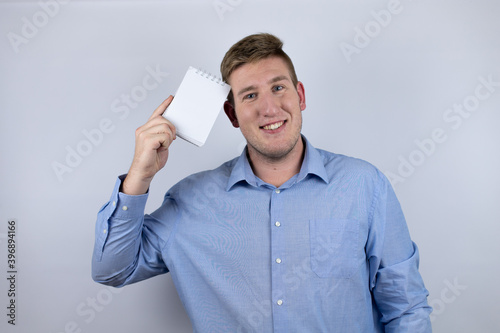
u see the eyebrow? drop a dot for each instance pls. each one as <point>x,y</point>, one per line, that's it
<point>279,78</point>
<point>273,80</point>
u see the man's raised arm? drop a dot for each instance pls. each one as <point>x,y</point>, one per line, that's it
<point>124,251</point>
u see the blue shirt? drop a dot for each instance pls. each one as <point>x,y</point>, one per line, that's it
<point>328,251</point>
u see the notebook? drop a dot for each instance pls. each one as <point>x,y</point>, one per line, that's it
<point>196,105</point>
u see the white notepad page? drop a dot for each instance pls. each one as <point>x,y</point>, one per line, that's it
<point>196,105</point>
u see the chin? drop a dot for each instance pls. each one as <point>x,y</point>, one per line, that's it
<point>277,153</point>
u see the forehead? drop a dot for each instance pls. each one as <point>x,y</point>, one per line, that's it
<point>260,71</point>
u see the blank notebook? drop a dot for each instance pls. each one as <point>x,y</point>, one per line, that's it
<point>196,105</point>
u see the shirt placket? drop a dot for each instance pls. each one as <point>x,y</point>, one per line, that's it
<point>278,261</point>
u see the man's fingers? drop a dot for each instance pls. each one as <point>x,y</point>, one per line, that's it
<point>163,140</point>
<point>158,125</point>
<point>156,135</point>
<point>163,106</point>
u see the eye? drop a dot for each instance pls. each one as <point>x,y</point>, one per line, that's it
<point>250,96</point>
<point>278,88</point>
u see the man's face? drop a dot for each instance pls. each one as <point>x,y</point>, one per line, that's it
<point>267,108</point>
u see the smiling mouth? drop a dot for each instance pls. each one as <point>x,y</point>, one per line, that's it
<point>273,126</point>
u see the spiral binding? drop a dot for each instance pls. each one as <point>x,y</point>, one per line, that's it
<point>210,76</point>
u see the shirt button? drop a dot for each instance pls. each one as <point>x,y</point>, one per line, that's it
<point>278,261</point>
<point>279,302</point>
<point>277,224</point>
<point>114,203</point>
<point>124,207</point>
<point>105,231</point>
<point>277,190</point>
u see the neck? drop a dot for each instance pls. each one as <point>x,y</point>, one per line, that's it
<point>277,171</point>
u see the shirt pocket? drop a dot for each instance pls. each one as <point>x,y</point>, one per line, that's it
<point>333,247</point>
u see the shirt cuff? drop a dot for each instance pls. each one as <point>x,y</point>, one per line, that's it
<point>125,206</point>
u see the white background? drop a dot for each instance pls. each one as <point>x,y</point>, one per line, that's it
<point>69,73</point>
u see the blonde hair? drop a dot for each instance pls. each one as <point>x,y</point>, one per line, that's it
<point>252,49</point>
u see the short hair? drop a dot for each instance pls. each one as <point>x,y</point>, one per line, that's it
<point>252,49</point>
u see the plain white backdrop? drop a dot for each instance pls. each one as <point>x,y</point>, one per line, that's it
<point>411,86</point>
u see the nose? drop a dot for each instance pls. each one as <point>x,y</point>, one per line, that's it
<point>268,105</point>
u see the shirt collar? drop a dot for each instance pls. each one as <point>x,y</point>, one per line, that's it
<point>313,164</point>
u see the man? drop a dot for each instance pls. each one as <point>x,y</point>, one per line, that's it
<point>284,238</point>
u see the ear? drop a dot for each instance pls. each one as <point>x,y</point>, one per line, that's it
<point>231,114</point>
<point>302,96</point>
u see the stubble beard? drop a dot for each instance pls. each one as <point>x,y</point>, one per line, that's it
<point>279,154</point>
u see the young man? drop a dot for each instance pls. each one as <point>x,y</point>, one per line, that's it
<point>284,238</point>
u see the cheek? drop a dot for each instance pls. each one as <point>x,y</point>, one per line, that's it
<point>290,100</point>
<point>245,115</point>
<point>292,106</point>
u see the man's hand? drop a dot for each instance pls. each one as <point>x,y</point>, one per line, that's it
<point>152,141</point>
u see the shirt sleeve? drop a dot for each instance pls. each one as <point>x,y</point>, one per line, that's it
<point>125,250</point>
<point>395,282</point>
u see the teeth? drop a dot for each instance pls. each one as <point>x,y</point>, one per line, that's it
<point>273,126</point>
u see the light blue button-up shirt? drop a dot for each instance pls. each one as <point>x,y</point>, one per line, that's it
<point>328,251</point>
